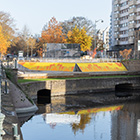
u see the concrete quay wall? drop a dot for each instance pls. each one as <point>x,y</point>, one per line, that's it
<point>132,65</point>
<point>77,86</point>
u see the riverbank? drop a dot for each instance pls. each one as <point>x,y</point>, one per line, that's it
<point>77,83</point>
<point>13,104</point>
<point>11,118</point>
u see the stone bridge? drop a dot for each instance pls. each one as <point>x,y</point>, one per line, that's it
<point>78,86</point>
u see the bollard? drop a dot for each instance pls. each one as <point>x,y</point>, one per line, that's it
<point>15,129</point>
<point>16,136</point>
<point>8,64</point>
<point>6,86</point>
<point>16,64</point>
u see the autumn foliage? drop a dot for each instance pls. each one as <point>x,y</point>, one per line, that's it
<point>4,43</point>
<point>125,53</point>
<point>80,37</point>
<point>53,32</point>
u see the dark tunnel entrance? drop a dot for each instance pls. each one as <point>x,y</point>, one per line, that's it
<point>124,90</point>
<point>44,96</point>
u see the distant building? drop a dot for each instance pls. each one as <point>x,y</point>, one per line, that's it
<point>125,17</point>
<point>100,34</point>
<point>60,50</point>
<point>103,35</point>
<point>137,43</point>
<point>106,37</point>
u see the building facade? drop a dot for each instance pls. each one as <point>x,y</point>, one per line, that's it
<point>61,50</point>
<point>106,37</point>
<point>103,35</point>
<point>125,17</point>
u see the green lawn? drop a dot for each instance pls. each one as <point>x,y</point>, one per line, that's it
<point>95,77</point>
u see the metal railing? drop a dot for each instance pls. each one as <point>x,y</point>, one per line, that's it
<point>2,116</point>
<point>69,60</point>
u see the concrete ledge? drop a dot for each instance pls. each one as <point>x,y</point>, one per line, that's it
<point>26,110</point>
<point>45,75</point>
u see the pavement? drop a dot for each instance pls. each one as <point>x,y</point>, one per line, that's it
<point>11,118</point>
<point>14,104</point>
<point>57,74</point>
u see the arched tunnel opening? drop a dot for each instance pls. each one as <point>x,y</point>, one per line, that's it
<point>124,90</point>
<point>44,96</point>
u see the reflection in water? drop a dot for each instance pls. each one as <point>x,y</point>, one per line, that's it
<point>87,117</point>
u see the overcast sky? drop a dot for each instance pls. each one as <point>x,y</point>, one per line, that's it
<point>36,13</point>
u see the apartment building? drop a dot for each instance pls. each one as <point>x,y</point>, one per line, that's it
<point>106,37</point>
<point>103,35</point>
<point>125,18</point>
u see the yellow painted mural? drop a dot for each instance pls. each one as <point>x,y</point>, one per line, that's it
<point>42,66</point>
<point>101,67</point>
<point>69,67</point>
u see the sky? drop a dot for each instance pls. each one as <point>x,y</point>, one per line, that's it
<point>36,13</point>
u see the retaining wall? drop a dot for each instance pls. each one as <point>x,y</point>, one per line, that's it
<point>132,65</point>
<point>77,86</point>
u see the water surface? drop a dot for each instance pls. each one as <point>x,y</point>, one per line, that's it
<point>88,117</point>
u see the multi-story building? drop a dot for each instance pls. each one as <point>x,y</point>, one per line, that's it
<point>103,35</point>
<point>125,17</point>
<point>106,37</point>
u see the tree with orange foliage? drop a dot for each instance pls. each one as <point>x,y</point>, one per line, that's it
<point>52,32</point>
<point>125,53</point>
<point>4,43</point>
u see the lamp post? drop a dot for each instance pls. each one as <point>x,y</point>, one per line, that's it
<point>96,31</point>
<point>32,46</point>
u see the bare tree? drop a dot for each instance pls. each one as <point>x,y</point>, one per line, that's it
<point>8,26</point>
<point>79,22</point>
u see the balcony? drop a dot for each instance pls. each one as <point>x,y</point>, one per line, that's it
<point>116,15</point>
<point>132,25</point>
<point>124,14</point>
<point>116,29</point>
<point>116,22</point>
<point>131,41</point>
<point>133,2</point>
<point>116,2</point>
<point>116,8</point>
<point>133,17</point>
<point>123,35</point>
<point>132,10</point>
<point>123,42</point>
<point>116,35</point>
<point>116,42</point>
<point>131,33</point>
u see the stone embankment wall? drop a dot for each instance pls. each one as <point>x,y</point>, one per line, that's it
<point>76,86</point>
<point>132,65</point>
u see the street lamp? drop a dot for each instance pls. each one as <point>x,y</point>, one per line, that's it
<point>32,46</point>
<point>95,29</point>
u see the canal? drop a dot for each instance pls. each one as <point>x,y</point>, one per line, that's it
<point>85,117</point>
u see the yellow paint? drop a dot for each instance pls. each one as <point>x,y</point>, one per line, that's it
<point>42,66</point>
<point>85,67</point>
<point>94,110</point>
<point>101,67</point>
